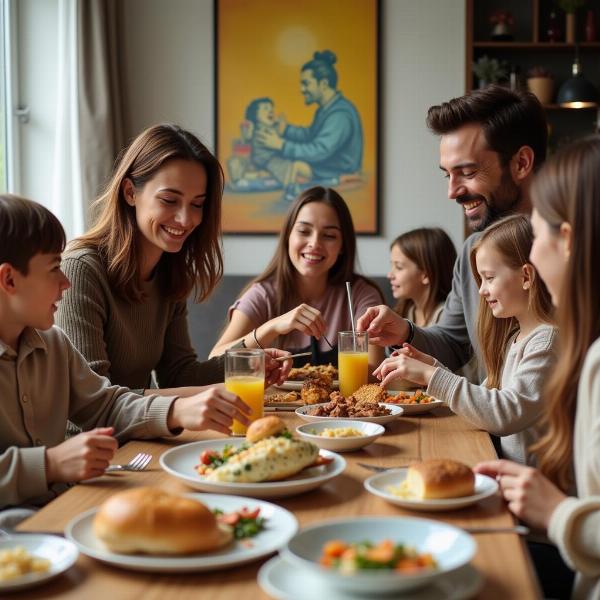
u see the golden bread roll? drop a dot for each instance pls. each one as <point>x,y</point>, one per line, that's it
<point>151,521</point>
<point>436,479</point>
<point>264,427</point>
<point>270,459</point>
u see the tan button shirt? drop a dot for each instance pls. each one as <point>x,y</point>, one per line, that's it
<point>42,385</point>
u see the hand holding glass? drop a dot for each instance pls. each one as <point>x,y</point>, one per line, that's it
<point>245,376</point>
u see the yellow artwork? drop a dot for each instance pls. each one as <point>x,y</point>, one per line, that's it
<point>296,106</point>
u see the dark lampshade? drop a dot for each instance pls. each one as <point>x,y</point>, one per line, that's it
<point>577,91</point>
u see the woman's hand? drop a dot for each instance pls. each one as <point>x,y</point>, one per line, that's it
<point>412,352</point>
<point>303,318</point>
<point>276,371</point>
<point>83,456</point>
<point>530,495</point>
<point>404,367</point>
<point>215,408</point>
<point>384,326</point>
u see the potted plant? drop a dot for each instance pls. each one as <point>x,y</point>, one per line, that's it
<point>503,22</point>
<point>570,7</point>
<point>541,83</point>
<point>489,70</point>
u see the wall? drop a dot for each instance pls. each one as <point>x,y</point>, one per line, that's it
<point>168,64</point>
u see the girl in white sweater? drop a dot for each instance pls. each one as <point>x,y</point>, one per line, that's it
<point>566,252</point>
<point>516,338</point>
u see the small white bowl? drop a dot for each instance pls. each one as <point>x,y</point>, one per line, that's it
<point>451,547</point>
<point>311,433</point>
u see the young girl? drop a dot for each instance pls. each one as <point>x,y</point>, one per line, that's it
<point>421,274</point>
<point>156,239</point>
<point>299,302</point>
<point>516,337</point>
<point>566,252</point>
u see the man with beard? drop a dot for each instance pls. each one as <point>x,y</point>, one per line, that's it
<point>491,143</point>
<point>333,144</point>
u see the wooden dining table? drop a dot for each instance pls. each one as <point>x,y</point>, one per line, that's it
<point>501,558</point>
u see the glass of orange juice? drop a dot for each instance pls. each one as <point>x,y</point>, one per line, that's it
<point>353,360</point>
<point>245,376</point>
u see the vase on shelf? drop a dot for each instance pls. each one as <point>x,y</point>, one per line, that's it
<point>590,26</point>
<point>570,28</point>
<point>542,87</point>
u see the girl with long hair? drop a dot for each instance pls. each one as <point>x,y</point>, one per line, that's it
<point>566,253</point>
<point>157,237</point>
<point>421,273</point>
<point>299,302</point>
<point>516,337</point>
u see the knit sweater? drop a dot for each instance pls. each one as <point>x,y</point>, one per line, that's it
<point>513,410</point>
<point>125,341</point>
<point>44,383</point>
<point>575,524</point>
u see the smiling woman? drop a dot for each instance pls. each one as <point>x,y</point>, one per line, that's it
<point>156,238</point>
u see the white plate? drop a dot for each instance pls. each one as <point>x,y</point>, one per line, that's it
<point>279,528</point>
<point>396,411</point>
<point>451,547</point>
<point>61,553</point>
<point>417,409</point>
<point>370,432</point>
<point>378,484</point>
<point>182,460</point>
<point>284,581</point>
<point>297,385</point>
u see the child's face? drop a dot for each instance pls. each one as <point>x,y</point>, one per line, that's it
<point>169,207</point>
<point>265,113</point>
<point>408,282</point>
<point>38,292</point>
<point>501,285</point>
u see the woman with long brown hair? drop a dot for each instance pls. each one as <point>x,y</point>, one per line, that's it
<point>299,302</point>
<point>421,273</point>
<point>566,252</point>
<point>157,237</point>
<point>516,338</point>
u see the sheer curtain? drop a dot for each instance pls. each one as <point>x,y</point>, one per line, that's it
<point>89,114</point>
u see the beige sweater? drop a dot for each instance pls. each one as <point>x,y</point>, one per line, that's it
<point>575,524</point>
<point>513,410</point>
<point>126,341</point>
<point>42,385</point>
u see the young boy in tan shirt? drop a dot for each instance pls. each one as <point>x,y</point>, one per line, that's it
<point>44,381</point>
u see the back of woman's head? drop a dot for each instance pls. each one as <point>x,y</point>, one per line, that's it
<point>511,238</point>
<point>432,250</point>
<point>199,263</point>
<point>567,190</point>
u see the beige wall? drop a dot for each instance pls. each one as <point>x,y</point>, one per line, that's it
<point>168,61</point>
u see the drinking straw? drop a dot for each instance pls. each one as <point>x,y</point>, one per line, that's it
<point>349,292</point>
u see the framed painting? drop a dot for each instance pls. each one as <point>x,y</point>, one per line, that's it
<point>297,105</point>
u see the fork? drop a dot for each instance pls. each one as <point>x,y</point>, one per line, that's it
<point>379,469</point>
<point>138,463</point>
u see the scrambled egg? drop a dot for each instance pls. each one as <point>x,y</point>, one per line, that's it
<point>17,562</point>
<point>340,432</point>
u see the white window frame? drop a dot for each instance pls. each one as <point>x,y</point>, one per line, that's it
<point>15,114</point>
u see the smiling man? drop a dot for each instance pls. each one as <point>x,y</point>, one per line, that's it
<point>491,143</point>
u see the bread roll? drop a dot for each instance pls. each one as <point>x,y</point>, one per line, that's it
<point>436,479</point>
<point>264,428</point>
<point>152,521</point>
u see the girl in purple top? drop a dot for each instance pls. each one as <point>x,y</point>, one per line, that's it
<point>299,302</point>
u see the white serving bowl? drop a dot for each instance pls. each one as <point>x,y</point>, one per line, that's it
<point>311,433</point>
<point>451,547</point>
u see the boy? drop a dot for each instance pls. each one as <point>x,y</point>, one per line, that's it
<point>44,380</point>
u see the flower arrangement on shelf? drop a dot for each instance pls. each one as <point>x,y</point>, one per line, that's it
<point>489,70</point>
<point>503,22</point>
<point>540,82</point>
<point>570,6</point>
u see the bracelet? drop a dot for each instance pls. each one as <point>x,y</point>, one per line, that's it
<point>256,339</point>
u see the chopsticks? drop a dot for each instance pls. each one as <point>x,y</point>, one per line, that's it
<point>282,358</point>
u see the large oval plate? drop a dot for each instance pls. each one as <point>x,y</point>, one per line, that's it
<point>182,460</point>
<point>396,411</point>
<point>280,526</point>
<point>379,485</point>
